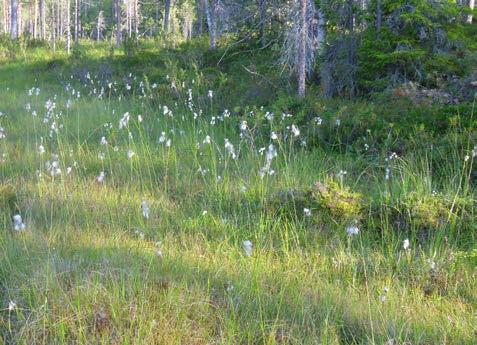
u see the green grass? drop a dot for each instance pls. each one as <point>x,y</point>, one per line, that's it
<point>86,268</point>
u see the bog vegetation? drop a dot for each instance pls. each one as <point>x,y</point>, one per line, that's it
<point>238,172</point>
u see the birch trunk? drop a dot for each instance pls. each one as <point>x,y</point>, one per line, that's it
<point>68,26</point>
<point>76,38</point>
<point>118,23</point>
<point>210,14</point>
<point>14,19</point>
<point>42,20</point>
<point>471,6</point>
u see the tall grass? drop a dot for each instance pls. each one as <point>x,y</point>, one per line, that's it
<point>90,268</point>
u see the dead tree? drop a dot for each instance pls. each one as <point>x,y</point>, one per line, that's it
<point>302,50</point>
<point>301,42</point>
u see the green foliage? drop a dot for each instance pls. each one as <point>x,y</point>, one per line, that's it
<point>338,200</point>
<point>328,200</point>
<point>419,41</point>
<point>301,284</point>
<point>130,46</point>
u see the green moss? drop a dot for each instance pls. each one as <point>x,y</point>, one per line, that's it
<point>337,200</point>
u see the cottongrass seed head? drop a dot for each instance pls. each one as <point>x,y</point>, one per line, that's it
<point>247,247</point>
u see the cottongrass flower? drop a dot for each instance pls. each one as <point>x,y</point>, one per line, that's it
<point>270,155</point>
<point>384,296</point>
<point>41,149</point>
<point>274,136</point>
<point>204,212</point>
<point>229,147</point>
<point>103,141</point>
<point>247,247</point>
<point>131,154</point>
<point>406,244</point>
<point>18,224</point>
<point>2,133</point>
<point>295,130</point>
<point>101,176</point>
<point>124,120</point>
<point>162,138</point>
<point>210,94</point>
<point>140,234</point>
<point>53,166</point>
<point>352,230</point>
<point>145,209</point>
<point>158,250</point>
<point>307,212</point>
<point>11,306</point>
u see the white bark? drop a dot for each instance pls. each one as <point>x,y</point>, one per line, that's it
<point>210,14</point>
<point>14,19</point>
<point>68,26</point>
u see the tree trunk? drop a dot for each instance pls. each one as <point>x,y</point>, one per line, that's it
<point>68,26</point>
<point>379,18</point>
<point>302,50</point>
<point>200,17</point>
<point>35,20</point>
<point>77,13</point>
<point>19,19</point>
<point>321,32</point>
<point>30,19</point>
<point>42,20</point>
<point>210,14</point>
<point>14,19</point>
<point>136,18</point>
<point>167,15</point>
<point>471,6</point>
<point>53,25</point>
<point>5,17</point>
<point>98,25</point>
<point>262,6</point>
<point>117,7</point>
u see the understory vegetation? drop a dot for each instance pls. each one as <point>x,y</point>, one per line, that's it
<point>169,194</point>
